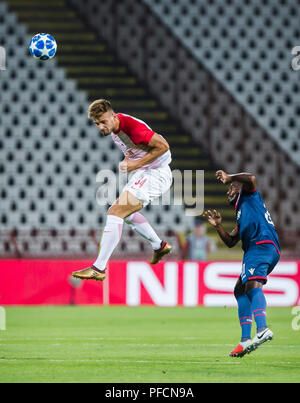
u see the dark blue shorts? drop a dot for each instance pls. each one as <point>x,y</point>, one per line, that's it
<point>258,262</point>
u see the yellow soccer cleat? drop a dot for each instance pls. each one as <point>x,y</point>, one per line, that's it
<point>162,251</point>
<point>91,273</point>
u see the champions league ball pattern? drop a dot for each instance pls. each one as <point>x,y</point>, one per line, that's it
<point>43,46</point>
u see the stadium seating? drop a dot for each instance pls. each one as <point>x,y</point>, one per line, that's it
<point>247,48</point>
<point>219,95</point>
<point>50,153</point>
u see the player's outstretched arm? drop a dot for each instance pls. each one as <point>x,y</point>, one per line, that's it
<point>215,219</point>
<point>247,179</point>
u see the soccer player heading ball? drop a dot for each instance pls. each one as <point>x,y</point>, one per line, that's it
<point>261,248</point>
<point>147,153</point>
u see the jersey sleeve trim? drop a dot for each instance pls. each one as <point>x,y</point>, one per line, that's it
<point>137,130</point>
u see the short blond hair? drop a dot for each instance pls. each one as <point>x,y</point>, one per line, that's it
<point>98,108</point>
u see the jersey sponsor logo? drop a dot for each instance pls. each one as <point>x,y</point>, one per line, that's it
<point>238,214</point>
<point>268,218</point>
<point>251,271</point>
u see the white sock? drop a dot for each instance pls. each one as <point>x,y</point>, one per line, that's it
<point>110,239</point>
<point>140,224</point>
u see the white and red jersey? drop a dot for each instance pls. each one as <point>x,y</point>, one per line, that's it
<point>133,139</point>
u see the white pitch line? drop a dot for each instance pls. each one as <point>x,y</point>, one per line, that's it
<point>205,345</point>
<point>117,338</point>
<point>133,361</point>
<point>216,362</point>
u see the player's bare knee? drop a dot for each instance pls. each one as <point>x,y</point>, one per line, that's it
<point>116,210</point>
<point>121,210</point>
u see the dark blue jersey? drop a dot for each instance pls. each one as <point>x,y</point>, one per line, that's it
<point>254,221</point>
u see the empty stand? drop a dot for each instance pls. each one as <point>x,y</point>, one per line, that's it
<point>247,48</point>
<point>208,65</point>
<point>50,153</point>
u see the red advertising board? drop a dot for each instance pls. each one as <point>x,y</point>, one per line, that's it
<point>171,283</point>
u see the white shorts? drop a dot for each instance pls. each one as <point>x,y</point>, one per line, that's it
<point>149,184</point>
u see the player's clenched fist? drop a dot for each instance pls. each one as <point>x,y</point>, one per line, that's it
<point>127,165</point>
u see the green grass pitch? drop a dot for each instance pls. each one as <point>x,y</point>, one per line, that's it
<point>141,344</point>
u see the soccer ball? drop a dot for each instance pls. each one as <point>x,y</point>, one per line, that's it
<point>43,46</point>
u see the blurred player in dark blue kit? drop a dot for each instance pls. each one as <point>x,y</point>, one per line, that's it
<point>260,244</point>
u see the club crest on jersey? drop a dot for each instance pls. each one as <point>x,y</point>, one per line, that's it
<point>123,146</point>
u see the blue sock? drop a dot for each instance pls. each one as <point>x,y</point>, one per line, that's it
<point>258,307</point>
<point>245,316</point>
